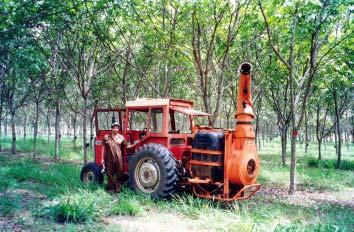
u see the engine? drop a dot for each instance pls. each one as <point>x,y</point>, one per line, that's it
<point>224,164</point>
<point>208,164</point>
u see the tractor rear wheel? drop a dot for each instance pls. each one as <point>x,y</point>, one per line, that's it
<point>91,174</point>
<point>153,170</point>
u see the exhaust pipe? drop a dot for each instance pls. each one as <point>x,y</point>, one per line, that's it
<point>243,163</point>
<point>245,68</point>
<point>244,100</point>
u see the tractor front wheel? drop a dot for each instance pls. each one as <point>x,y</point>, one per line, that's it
<point>153,170</point>
<point>91,174</point>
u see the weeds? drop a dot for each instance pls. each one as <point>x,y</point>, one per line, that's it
<point>191,206</point>
<point>9,204</point>
<point>82,207</point>
<point>125,206</point>
<point>91,205</point>
<point>76,208</point>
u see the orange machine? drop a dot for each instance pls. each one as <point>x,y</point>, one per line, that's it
<point>238,161</point>
<point>168,150</point>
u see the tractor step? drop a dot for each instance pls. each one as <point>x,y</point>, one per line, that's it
<point>197,180</point>
<point>206,163</point>
<point>206,152</point>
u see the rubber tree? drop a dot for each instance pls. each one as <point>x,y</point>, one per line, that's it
<point>55,81</point>
<point>16,89</point>
<point>37,96</point>
<point>1,105</point>
<point>211,48</point>
<point>300,41</point>
<point>83,57</point>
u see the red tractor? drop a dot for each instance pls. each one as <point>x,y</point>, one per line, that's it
<point>171,150</point>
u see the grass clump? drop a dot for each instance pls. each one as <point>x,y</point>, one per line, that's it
<point>191,206</point>
<point>305,228</point>
<point>129,203</point>
<point>9,204</point>
<point>75,208</point>
<point>125,206</point>
<point>91,204</point>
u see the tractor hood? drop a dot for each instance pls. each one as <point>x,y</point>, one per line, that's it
<point>189,111</point>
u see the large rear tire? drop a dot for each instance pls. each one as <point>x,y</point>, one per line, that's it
<point>153,170</point>
<point>91,174</point>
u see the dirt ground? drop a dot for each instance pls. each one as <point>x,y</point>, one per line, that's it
<point>311,197</point>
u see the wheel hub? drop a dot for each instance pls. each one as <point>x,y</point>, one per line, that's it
<point>89,177</point>
<point>148,175</point>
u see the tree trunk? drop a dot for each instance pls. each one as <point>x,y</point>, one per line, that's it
<point>25,127</point>
<point>267,132</point>
<point>124,76</point>
<point>294,131</point>
<point>258,113</point>
<point>91,131</point>
<point>84,130</point>
<point>337,130</point>
<point>74,127</point>
<point>48,125</point>
<point>259,138</point>
<point>35,131</point>
<point>339,142</point>
<point>5,126</point>
<point>13,129</point>
<point>68,127</point>
<point>283,134</point>
<point>263,135</point>
<point>306,133</point>
<point>0,134</point>
<point>325,142</point>
<point>293,165</point>
<point>318,136</point>
<point>1,109</point>
<point>227,121</point>
<point>57,130</point>
<point>257,131</point>
<point>352,119</point>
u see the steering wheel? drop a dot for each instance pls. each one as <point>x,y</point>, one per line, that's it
<point>143,133</point>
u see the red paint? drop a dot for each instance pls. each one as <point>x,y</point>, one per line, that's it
<point>178,147</point>
<point>295,133</point>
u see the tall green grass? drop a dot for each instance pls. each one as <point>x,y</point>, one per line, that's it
<point>92,205</point>
<point>328,150</point>
<point>9,204</point>
<point>70,200</point>
<point>308,176</point>
<point>68,150</point>
<point>51,178</point>
<point>330,164</point>
<point>83,207</point>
